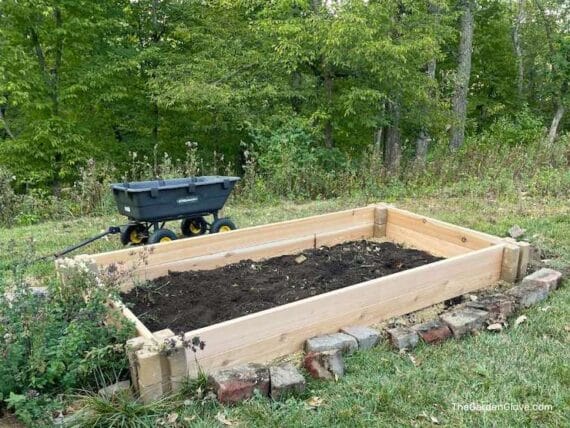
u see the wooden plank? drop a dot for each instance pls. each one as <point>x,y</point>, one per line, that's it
<point>380,220</point>
<point>211,244</point>
<point>524,259</point>
<point>257,252</point>
<point>433,245</point>
<point>278,331</point>
<point>453,234</point>
<point>510,265</point>
<point>127,313</point>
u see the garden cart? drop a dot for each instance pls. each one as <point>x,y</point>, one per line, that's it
<point>150,204</point>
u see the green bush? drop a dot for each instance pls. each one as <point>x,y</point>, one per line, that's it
<point>53,341</point>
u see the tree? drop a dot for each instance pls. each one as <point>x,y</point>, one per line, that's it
<point>459,100</point>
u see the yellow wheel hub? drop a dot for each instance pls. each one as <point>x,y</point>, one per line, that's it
<point>135,237</point>
<point>165,239</point>
<point>195,228</point>
<point>225,229</point>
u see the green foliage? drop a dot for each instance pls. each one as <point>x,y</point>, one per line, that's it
<point>53,341</point>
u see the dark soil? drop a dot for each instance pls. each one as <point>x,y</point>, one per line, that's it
<point>184,301</point>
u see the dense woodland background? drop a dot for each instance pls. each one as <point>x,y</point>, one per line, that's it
<point>304,98</point>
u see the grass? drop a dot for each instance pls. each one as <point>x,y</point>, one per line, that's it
<point>528,364</point>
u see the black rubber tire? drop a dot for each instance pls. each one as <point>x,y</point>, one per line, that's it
<point>199,225</point>
<point>127,234</point>
<point>222,225</point>
<point>162,235</point>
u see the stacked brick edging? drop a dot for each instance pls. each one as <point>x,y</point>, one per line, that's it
<point>159,365</point>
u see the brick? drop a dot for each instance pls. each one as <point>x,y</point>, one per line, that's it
<point>285,380</point>
<point>464,320</point>
<point>434,331</point>
<point>548,277</point>
<point>403,337</point>
<point>529,294</point>
<point>330,342</point>
<point>239,383</point>
<point>366,337</point>
<point>499,306</point>
<point>325,365</point>
<point>119,388</point>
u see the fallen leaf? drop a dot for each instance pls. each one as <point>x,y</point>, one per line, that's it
<point>567,328</point>
<point>300,259</point>
<point>172,418</point>
<point>520,320</point>
<point>189,418</point>
<point>413,360</point>
<point>546,308</point>
<point>223,420</point>
<point>434,420</point>
<point>315,402</point>
<point>495,327</point>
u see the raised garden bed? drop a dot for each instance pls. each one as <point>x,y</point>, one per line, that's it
<point>473,260</point>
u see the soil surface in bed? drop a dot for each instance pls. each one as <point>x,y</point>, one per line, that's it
<point>184,301</point>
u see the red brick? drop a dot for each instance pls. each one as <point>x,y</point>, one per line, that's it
<point>433,331</point>
<point>239,383</point>
<point>324,365</point>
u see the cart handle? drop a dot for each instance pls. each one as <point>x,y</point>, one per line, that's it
<point>110,231</point>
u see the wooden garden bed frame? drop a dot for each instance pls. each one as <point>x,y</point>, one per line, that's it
<point>474,260</point>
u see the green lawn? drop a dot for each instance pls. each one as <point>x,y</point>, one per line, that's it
<point>528,364</point>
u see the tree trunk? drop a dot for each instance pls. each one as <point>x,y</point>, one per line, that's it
<point>328,129</point>
<point>5,125</point>
<point>459,101</point>
<point>423,139</point>
<point>518,48</point>
<point>393,148</point>
<point>422,144</point>
<point>555,122</point>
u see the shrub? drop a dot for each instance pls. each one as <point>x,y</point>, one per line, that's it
<point>53,341</point>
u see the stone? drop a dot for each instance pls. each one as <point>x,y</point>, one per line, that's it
<point>434,331</point>
<point>239,383</point>
<point>285,380</point>
<point>403,337</point>
<point>325,364</point>
<point>42,292</point>
<point>119,388</point>
<point>499,306</point>
<point>366,337</point>
<point>464,320</point>
<point>330,342</point>
<point>549,277</point>
<point>528,294</point>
